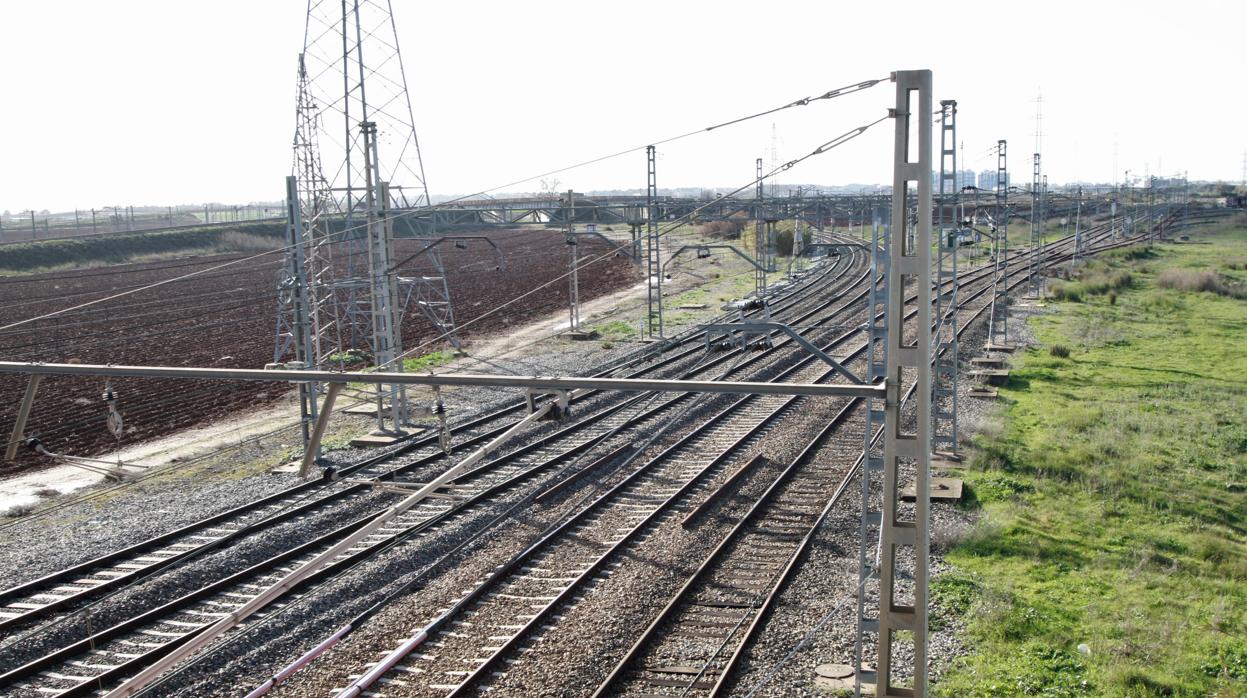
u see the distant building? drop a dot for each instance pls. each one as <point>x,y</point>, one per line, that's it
<point>987,179</point>
<point>963,179</point>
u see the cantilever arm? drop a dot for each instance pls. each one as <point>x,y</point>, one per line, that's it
<point>444,238</point>
<point>742,255</point>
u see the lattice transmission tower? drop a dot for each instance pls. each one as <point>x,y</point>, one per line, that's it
<point>359,177</point>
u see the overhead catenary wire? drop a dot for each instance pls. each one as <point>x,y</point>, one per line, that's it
<point>821,149</point>
<point>831,94</point>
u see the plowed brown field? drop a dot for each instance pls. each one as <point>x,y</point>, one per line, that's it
<point>225,318</point>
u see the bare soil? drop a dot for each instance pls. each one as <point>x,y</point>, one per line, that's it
<point>226,318</point>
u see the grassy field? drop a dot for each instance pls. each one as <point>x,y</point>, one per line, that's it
<point>1110,558</point>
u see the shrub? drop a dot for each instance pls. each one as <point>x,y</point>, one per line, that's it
<point>729,229</point>
<point>1188,280</point>
<point>1060,351</point>
<point>1067,292</point>
<point>1200,280</point>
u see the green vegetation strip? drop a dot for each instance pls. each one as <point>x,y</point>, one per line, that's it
<point>51,255</point>
<point>1110,558</point>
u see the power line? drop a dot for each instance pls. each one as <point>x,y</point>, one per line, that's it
<point>830,94</point>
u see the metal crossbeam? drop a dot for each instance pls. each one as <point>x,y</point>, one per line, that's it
<point>446,379</point>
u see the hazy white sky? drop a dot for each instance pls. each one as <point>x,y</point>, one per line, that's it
<point>163,102</point>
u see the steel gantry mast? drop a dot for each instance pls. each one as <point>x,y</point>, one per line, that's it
<point>872,461</point>
<point>944,383</point>
<point>354,112</point>
<point>653,252</point>
<point>759,237</point>
<point>1034,271</point>
<point>998,322</point>
<point>573,264</point>
<point>900,556</point>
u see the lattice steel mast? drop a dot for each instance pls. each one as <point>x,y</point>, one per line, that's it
<point>944,383</point>
<point>354,111</point>
<point>902,556</point>
<point>1034,272</point>
<point>759,236</point>
<point>653,252</point>
<point>998,322</point>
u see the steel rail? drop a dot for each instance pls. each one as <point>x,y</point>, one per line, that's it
<point>500,573</point>
<point>629,401</point>
<point>780,580</point>
<point>33,588</point>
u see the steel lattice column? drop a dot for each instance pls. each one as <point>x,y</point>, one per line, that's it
<point>904,531</point>
<point>760,238</point>
<point>1037,222</point>
<point>877,358</point>
<point>998,322</point>
<point>653,253</point>
<point>944,398</point>
<point>301,328</point>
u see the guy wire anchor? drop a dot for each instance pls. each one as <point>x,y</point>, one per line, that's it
<point>109,469</point>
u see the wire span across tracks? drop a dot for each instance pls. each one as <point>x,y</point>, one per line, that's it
<point>830,94</point>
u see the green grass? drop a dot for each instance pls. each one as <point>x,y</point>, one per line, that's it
<point>615,331</point>
<point>70,253</point>
<point>1114,498</point>
<point>427,362</point>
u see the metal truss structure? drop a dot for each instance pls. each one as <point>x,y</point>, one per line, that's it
<point>573,265</point>
<point>998,321</point>
<point>900,557</point>
<point>945,347</point>
<point>653,250</point>
<point>760,231</point>
<point>1034,271</point>
<point>816,209</point>
<point>354,112</point>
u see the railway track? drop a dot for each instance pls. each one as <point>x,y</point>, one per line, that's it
<point>494,618</point>
<point>100,660</point>
<point>64,681</point>
<point>737,584</point>
<point>692,647</point>
<point>25,603</point>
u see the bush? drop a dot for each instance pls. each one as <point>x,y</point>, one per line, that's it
<point>1066,292</point>
<point>1188,280</point>
<point>1199,280</point>
<point>783,243</point>
<point>1060,351</point>
<point>728,230</point>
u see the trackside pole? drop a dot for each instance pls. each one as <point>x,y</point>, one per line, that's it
<point>904,533</point>
<point>312,449</point>
<point>23,413</point>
